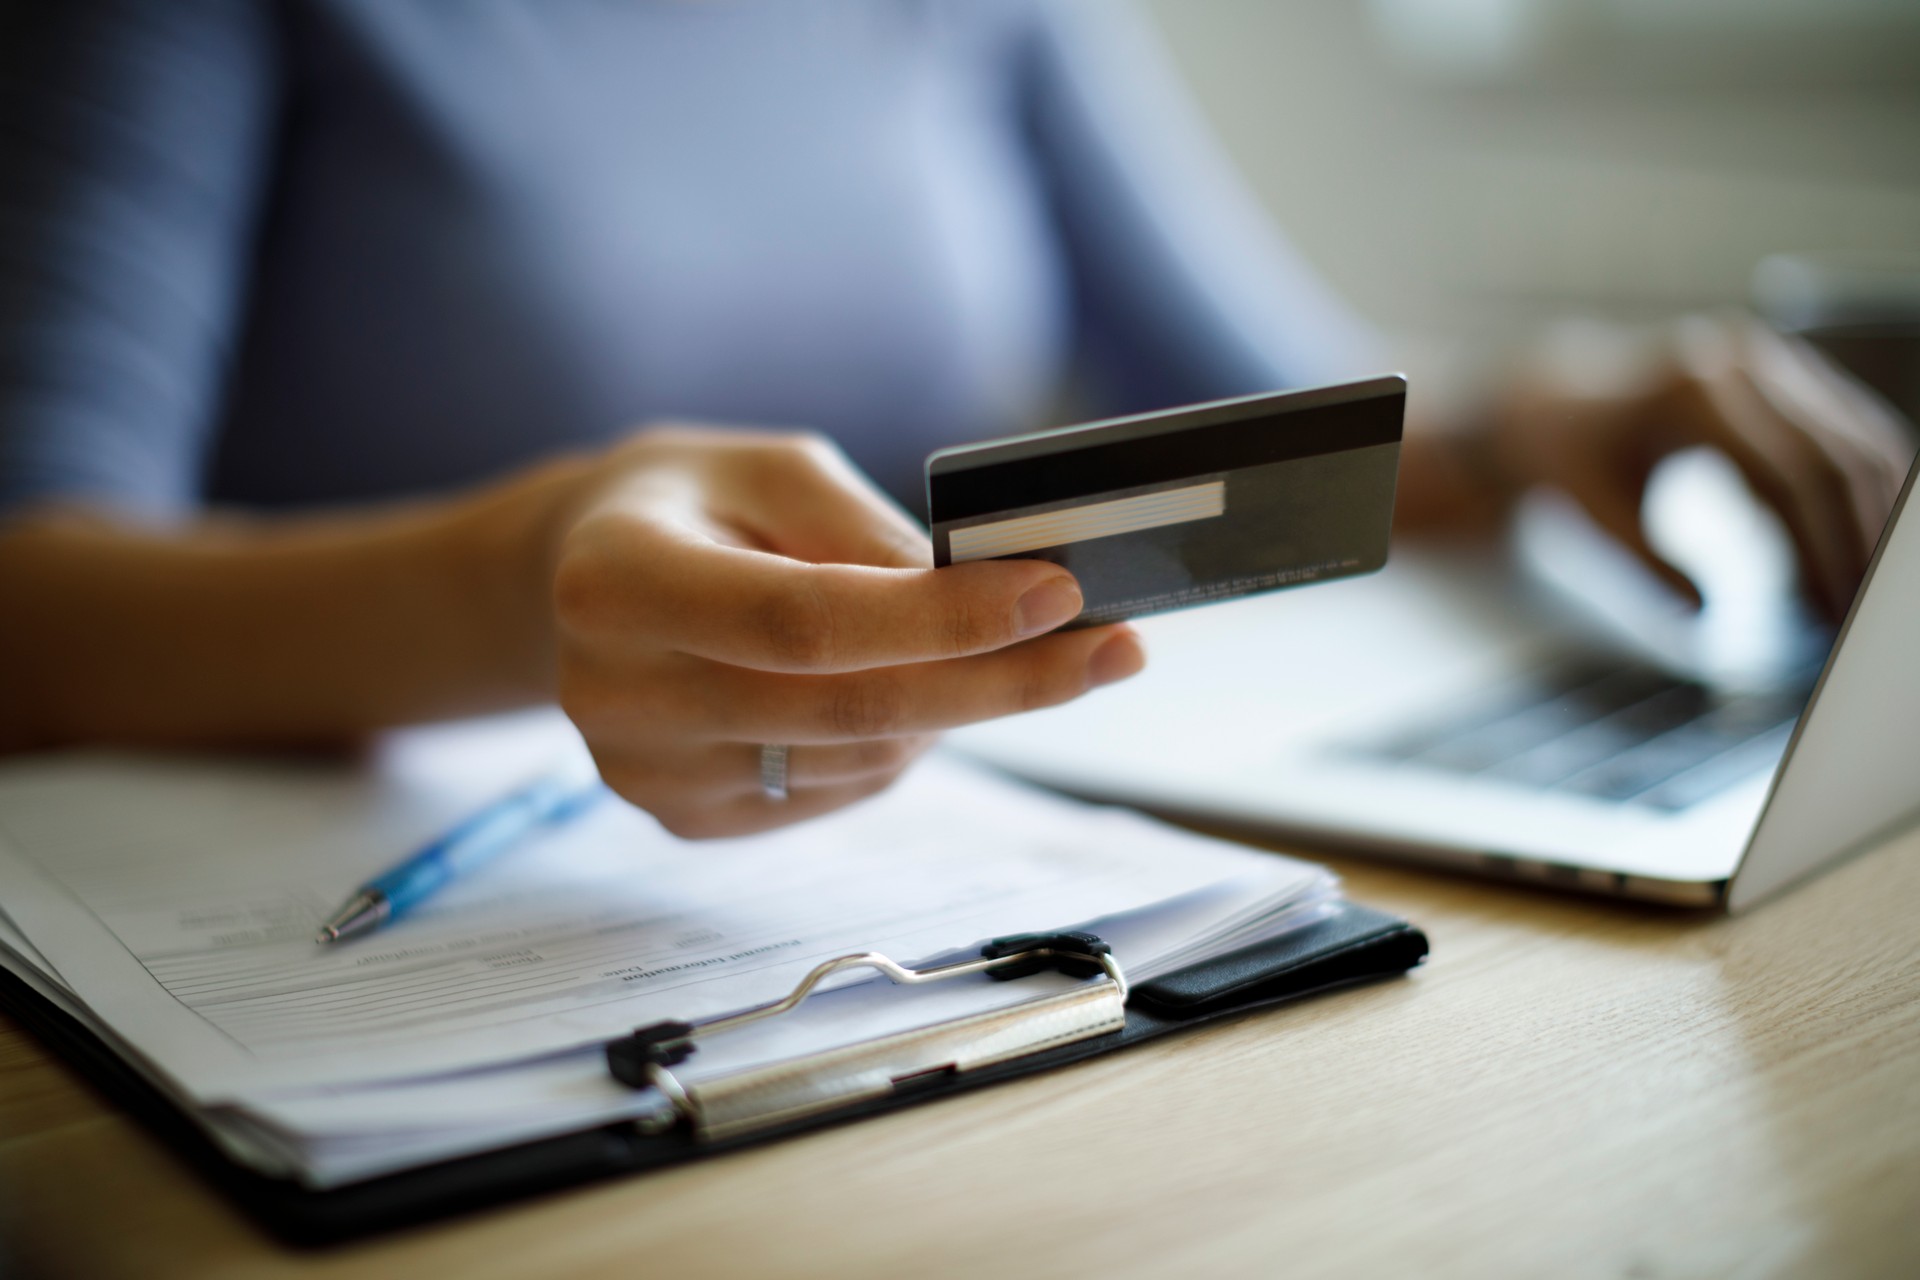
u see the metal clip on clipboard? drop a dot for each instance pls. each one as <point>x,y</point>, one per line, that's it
<point>762,1098</point>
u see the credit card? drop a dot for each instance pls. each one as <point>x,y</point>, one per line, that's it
<point>1185,507</point>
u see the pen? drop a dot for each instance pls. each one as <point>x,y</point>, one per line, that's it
<point>547,801</point>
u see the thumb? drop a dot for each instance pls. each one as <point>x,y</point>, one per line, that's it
<point>1617,510</point>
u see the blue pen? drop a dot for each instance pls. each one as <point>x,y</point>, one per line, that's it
<point>545,802</point>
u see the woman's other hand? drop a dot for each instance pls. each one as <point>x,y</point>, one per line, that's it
<point>714,591</point>
<point>1597,414</point>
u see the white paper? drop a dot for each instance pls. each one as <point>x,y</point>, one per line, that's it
<point>344,1134</point>
<point>177,901</point>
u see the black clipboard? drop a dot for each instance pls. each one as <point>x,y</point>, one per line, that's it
<point>1351,944</point>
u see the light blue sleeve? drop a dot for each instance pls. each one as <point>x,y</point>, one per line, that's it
<point>1183,290</point>
<point>135,138</point>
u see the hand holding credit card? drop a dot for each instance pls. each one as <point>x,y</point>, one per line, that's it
<point>1185,507</point>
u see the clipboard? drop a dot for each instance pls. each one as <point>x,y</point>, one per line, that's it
<point>1352,944</point>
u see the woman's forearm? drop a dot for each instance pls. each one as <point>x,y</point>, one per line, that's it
<point>276,631</point>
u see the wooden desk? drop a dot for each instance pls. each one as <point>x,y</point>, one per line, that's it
<point>1570,1088</point>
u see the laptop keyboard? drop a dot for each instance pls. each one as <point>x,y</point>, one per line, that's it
<point>1611,730</point>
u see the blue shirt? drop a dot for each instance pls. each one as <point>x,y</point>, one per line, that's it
<point>311,252</point>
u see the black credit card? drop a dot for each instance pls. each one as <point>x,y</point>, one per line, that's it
<point>1166,510</point>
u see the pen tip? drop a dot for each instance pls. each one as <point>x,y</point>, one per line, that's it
<point>367,909</point>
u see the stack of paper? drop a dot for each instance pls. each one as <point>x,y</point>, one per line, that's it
<point>170,905</point>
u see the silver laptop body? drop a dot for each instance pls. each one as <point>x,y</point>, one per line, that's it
<point>1436,712</point>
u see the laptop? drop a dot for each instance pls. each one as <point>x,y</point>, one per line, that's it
<point>1447,710</point>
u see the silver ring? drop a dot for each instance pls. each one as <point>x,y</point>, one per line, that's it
<point>773,771</point>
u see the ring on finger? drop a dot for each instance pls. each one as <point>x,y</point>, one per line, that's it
<point>773,770</point>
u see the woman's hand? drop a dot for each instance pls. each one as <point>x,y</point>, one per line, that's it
<point>1813,444</point>
<point>714,591</point>
<point>688,596</point>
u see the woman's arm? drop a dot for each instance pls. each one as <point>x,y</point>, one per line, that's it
<point>1182,288</point>
<point>687,596</point>
<point>1185,292</point>
<point>275,631</point>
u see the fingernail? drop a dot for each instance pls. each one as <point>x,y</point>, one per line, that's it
<point>1115,660</point>
<point>1047,606</point>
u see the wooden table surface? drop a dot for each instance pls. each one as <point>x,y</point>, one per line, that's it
<point>1569,1088</point>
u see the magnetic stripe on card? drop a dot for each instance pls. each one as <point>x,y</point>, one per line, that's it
<point>1088,520</point>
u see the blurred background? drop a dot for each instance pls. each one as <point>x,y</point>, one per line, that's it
<point>1462,169</point>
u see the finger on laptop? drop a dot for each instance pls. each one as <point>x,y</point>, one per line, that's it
<point>1739,397</point>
